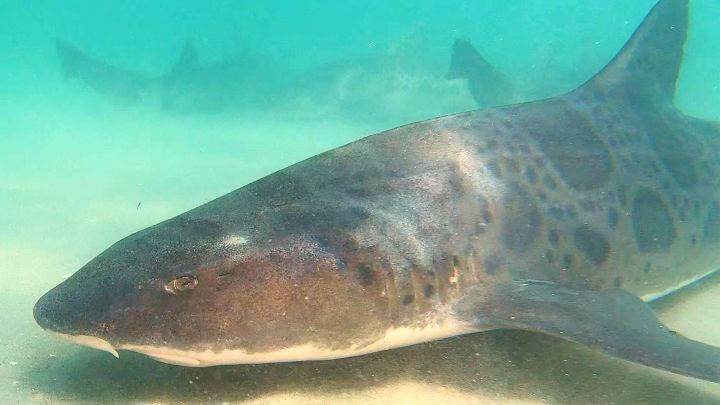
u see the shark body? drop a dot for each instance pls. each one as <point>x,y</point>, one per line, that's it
<point>562,216</point>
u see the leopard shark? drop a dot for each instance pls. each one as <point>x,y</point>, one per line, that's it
<point>562,216</point>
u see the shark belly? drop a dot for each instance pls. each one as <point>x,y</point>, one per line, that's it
<point>391,339</point>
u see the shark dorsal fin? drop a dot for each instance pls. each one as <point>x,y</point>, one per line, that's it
<point>648,65</point>
<point>188,59</point>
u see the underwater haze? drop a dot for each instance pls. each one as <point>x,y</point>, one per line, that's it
<point>115,116</point>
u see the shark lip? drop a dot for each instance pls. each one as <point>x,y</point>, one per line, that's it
<point>90,341</point>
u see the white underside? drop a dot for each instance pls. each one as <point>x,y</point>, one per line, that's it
<point>656,295</point>
<point>393,338</point>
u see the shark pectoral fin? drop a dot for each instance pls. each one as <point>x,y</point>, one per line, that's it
<point>614,321</point>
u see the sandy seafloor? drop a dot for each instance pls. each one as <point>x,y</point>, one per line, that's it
<point>78,173</point>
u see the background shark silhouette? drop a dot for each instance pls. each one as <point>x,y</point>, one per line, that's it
<point>360,87</point>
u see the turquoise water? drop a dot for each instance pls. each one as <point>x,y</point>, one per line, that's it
<point>79,171</point>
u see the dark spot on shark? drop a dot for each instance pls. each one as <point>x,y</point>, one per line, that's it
<point>570,141</point>
<point>494,168</point>
<point>587,205</point>
<point>571,211</point>
<point>492,264</point>
<point>617,282</point>
<point>554,236</point>
<point>647,267</point>
<point>486,216</point>
<point>521,220</point>
<point>675,157</point>
<point>549,182</point>
<point>456,179</point>
<point>712,224</point>
<point>428,291</point>
<point>653,225</point>
<point>593,244</point>
<point>531,175</point>
<point>408,299</point>
<point>567,260</point>
<point>622,195</point>
<point>550,256</point>
<point>655,168</point>
<point>682,214</point>
<point>366,275</point>
<point>556,212</point>
<point>512,165</point>
<point>613,218</point>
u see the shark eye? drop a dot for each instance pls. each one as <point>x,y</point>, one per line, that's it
<point>181,284</point>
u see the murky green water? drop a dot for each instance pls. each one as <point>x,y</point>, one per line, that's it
<point>80,169</point>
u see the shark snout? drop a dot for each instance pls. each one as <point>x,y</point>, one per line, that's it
<point>50,313</point>
<point>66,323</point>
<point>64,309</point>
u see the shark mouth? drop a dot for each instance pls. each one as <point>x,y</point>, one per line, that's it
<point>393,338</point>
<point>90,341</point>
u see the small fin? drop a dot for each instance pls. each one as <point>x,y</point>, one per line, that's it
<point>188,59</point>
<point>487,85</point>
<point>614,321</point>
<point>466,61</point>
<point>649,63</point>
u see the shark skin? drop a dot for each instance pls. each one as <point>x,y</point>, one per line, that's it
<point>562,216</point>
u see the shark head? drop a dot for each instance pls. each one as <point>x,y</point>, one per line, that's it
<point>250,284</point>
<point>268,282</point>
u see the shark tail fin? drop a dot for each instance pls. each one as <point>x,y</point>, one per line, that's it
<point>649,64</point>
